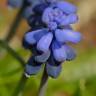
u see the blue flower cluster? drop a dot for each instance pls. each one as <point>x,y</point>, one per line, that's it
<point>48,39</point>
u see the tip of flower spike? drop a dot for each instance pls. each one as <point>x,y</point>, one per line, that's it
<point>53,71</point>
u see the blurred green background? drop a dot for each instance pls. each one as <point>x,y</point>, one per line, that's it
<point>78,78</point>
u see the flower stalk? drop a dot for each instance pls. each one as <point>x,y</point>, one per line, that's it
<point>16,22</point>
<point>43,84</point>
<point>19,89</point>
<point>12,52</point>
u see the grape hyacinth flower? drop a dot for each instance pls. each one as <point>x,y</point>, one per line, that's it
<point>48,39</point>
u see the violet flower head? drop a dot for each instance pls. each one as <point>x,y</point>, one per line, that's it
<point>49,38</point>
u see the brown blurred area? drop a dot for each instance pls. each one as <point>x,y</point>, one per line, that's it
<point>87,21</point>
<point>86,24</point>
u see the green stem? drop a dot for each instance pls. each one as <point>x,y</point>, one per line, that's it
<point>15,24</point>
<point>12,52</point>
<point>19,89</point>
<point>43,83</point>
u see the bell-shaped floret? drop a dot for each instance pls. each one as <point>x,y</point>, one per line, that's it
<point>59,52</point>
<point>70,19</point>
<point>53,71</point>
<point>44,43</point>
<point>34,36</point>
<point>67,35</point>
<point>32,67</point>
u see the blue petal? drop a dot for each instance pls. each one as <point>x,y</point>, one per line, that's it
<point>66,7</point>
<point>32,70</point>
<point>47,15</point>
<point>52,25</point>
<point>53,71</point>
<point>67,35</point>
<point>71,54</point>
<point>43,58</point>
<point>44,43</point>
<point>26,45</point>
<point>59,52</point>
<point>34,36</point>
<point>70,19</point>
